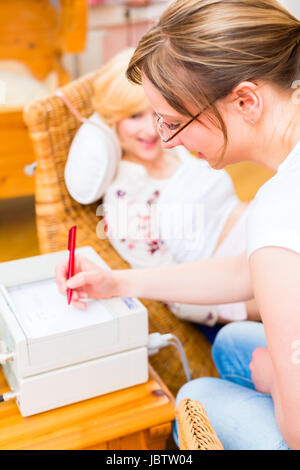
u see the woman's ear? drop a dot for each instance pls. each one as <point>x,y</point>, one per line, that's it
<point>248,101</point>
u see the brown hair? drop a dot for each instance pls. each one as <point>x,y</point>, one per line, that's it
<point>201,49</point>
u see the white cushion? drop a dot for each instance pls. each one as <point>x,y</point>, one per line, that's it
<point>92,161</point>
<point>20,89</point>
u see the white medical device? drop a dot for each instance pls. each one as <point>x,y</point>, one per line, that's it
<point>57,354</point>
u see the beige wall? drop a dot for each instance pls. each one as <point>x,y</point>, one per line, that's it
<point>110,29</point>
<point>293,6</point>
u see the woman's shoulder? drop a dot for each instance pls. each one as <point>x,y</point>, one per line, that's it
<point>281,190</point>
<point>274,218</point>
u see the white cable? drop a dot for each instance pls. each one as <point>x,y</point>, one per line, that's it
<point>5,357</point>
<point>184,360</point>
<point>157,341</point>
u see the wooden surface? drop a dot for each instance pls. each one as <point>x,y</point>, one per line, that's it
<point>136,418</point>
<point>18,237</point>
<point>15,152</point>
<point>36,33</point>
<point>74,25</point>
<point>43,34</point>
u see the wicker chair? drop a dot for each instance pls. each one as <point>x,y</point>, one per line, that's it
<point>194,429</point>
<point>52,128</point>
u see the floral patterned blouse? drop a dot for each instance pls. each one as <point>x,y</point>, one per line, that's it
<point>130,216</point>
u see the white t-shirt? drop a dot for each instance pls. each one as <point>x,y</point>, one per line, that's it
<point>193,209</point>
<point>137,208</point>
<point>274,218</point>
<point>131,221</point>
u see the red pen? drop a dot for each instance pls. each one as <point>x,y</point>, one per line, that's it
<point>71,266</point>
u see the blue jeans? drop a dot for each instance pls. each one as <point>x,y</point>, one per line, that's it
<point>243,418</point>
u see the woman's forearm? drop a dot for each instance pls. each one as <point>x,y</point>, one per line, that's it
<point>286,408</point>
<point>208,281</point>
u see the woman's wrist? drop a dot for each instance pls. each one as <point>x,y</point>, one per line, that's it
<point>123,285</point>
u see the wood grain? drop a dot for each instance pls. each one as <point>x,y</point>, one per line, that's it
<point>18,236</point>
<point>135,418</point>
<point>35,35</point>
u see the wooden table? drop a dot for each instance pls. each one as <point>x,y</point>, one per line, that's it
<point>136,418</point>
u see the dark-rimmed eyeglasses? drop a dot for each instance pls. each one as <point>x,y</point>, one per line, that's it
<point>165,131</point>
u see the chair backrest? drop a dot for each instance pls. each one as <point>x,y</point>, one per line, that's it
<point>52,127</point>
<point>194,429</point>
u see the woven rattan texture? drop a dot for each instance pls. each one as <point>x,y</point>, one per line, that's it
<point>52,128</point>
<point>194,429</point>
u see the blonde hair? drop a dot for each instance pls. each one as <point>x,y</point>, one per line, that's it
<point>200,50</point>
<point>115,98</point>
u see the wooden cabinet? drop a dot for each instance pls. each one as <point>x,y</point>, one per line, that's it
<point>15,152</point>
<point>137,418</point>
<point>34,36</point>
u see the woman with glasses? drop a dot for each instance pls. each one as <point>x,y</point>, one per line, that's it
<point>237,63</point>
<point>150,185</point>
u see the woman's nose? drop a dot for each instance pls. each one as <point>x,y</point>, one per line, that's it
<point>171,144</point>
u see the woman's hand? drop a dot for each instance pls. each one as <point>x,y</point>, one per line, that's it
<point>261,370</point>
<point>89,281</point>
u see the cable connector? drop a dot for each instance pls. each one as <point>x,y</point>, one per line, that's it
<point>157,341</point>
<point>8,396</point>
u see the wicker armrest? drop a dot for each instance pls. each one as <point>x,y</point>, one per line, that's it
<point>194,429</point>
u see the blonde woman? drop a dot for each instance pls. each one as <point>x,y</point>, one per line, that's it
<point>148,176</point>
<point>221,77</point>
